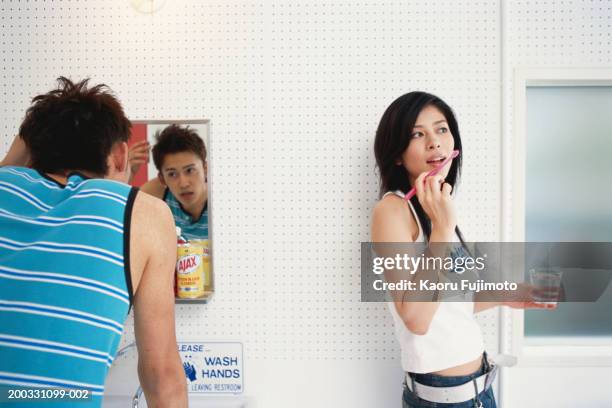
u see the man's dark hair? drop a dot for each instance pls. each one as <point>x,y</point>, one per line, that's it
<point>74,127</point>
<point>177,139</point>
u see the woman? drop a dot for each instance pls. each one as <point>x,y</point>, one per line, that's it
<point>441,343</point>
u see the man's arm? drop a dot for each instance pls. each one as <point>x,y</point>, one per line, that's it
<point>138,155</point>
<point>154,187</point>
<point>18,154</point>
<point>153,251</point>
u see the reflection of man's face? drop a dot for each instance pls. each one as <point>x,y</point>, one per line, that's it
<point>185,175</point>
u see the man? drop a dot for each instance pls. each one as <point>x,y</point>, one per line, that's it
<point>180,158</point>
<point>77,248</point>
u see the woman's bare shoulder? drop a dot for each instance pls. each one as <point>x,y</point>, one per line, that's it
<point>390,203</point>
<point>392,220</point>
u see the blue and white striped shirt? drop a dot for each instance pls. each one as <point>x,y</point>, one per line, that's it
<point>189,229</point>
<point>65,286</point>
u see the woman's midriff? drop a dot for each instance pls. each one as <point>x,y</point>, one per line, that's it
<point>463,369</point>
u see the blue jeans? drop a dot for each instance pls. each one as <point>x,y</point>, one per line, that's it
<point>411,400</point>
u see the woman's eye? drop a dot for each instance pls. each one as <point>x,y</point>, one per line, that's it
<point>443,130</point>
<point>417,134</point>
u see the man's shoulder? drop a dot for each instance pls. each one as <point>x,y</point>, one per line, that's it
<point>150,215</point>
<point>105,184</point>
<point>20,172</point>
<point>148,204</point>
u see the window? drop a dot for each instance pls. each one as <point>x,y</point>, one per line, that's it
<point>568,194</point>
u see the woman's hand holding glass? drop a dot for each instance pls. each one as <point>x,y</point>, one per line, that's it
<point>524,299</point>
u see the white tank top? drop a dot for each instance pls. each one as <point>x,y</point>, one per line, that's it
<point>454,337</point>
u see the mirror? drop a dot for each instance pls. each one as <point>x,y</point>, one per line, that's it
<point>170,160</point>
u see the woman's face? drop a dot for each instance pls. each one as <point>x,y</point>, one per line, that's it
<point>431,143</point>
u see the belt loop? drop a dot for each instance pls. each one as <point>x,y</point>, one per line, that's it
<point>477,403</point>
<point>487,368</point>
<point>414,390</point>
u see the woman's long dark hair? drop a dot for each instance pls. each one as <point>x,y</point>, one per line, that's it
<point>393,137</point>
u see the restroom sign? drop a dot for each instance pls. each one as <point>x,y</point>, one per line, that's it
<point>213,367</point>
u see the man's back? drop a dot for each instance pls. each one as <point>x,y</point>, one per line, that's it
<point>72,249</point>
<point>64,288</point>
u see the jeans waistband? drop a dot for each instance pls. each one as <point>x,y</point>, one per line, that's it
<point>435,380</point>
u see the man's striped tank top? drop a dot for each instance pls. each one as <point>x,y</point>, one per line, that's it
<point>65,287</point>
<point>189,229</point>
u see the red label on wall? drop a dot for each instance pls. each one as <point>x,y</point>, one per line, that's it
<point>139,132</point>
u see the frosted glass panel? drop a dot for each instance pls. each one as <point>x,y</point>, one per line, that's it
<point>569,191</point>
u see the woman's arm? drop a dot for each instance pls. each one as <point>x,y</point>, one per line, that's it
<point>482,306</point>
<point>392,221</point>
<point>519,299</point>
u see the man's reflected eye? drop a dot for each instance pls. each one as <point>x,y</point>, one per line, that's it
<point>171,174</point>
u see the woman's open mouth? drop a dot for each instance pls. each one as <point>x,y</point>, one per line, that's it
<point>436,160</point>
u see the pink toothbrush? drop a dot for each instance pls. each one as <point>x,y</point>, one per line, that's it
<point>435,171</point>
